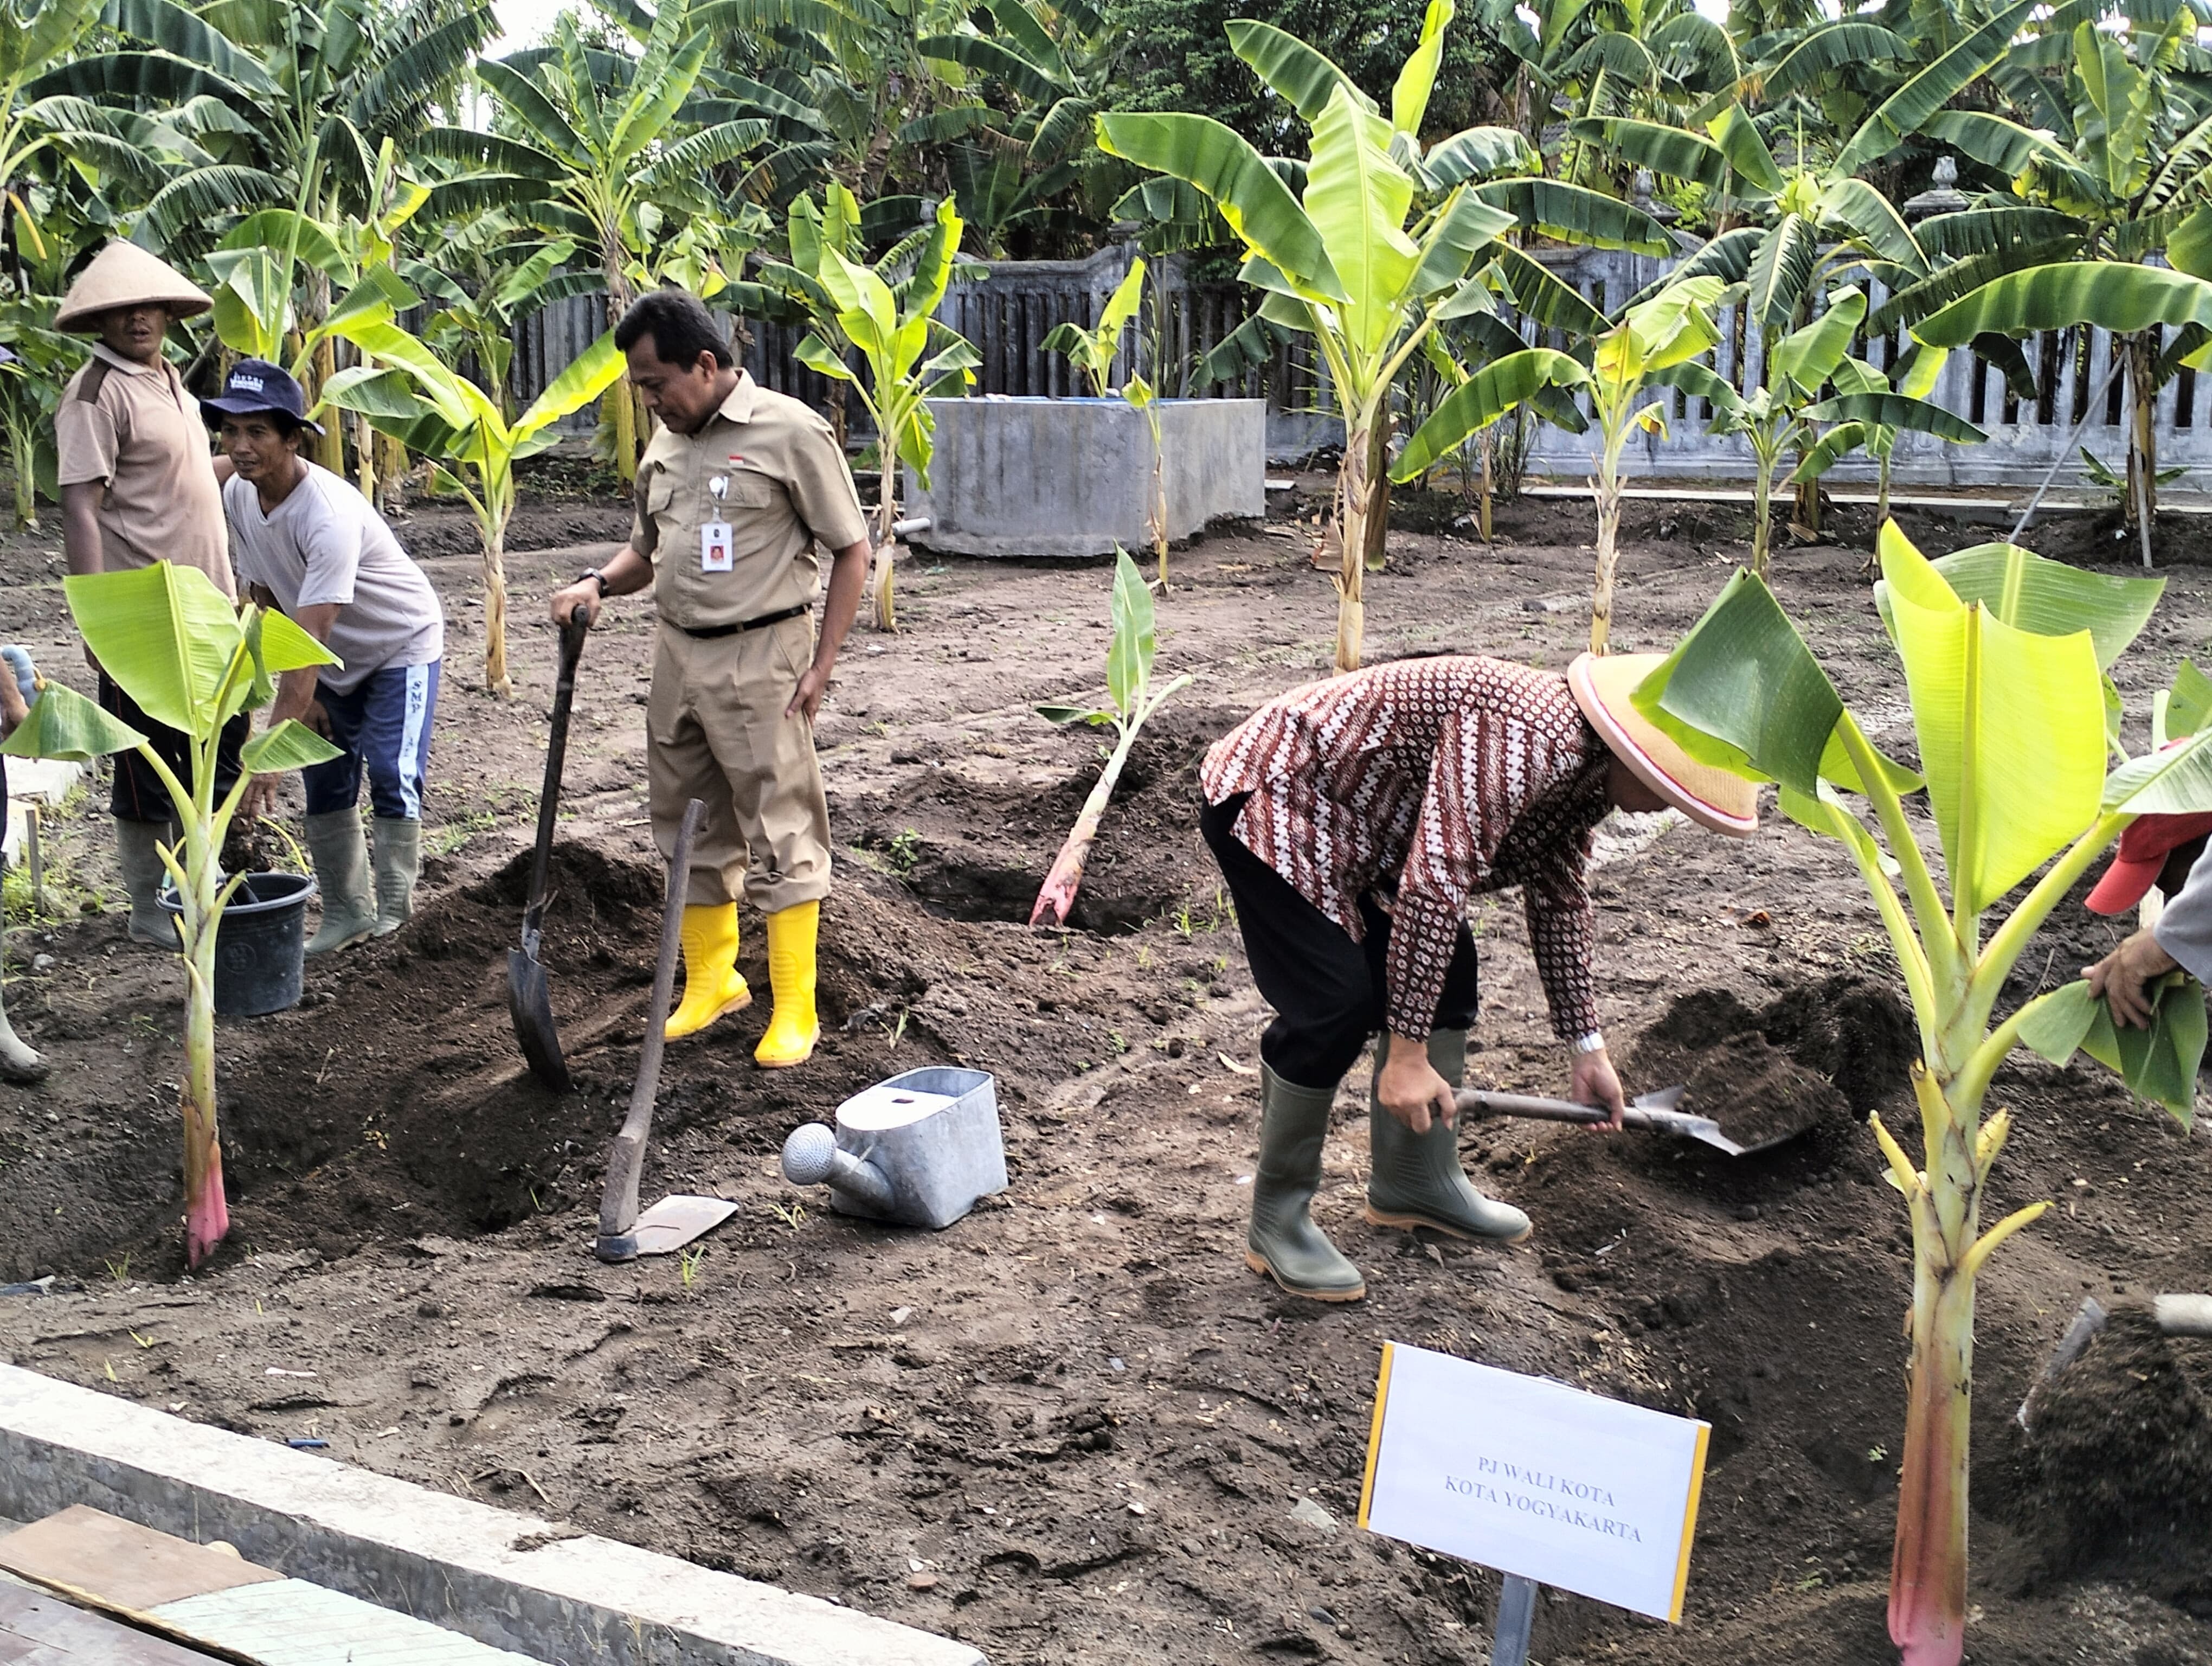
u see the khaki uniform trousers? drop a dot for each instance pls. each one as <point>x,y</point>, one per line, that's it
<point>715,731</point>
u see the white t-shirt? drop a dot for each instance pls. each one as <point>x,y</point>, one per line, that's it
<point>326,543</point>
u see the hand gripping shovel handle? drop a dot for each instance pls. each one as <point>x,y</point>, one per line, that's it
<point>618,1203</point>
<point>557,753</point>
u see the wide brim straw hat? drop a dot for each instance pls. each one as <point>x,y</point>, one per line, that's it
<point>125,275</point>
<point>1719,799</point>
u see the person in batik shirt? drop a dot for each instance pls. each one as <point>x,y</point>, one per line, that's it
<point>1355,819</point>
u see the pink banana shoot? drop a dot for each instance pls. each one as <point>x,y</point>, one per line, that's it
<point>1129,685</point>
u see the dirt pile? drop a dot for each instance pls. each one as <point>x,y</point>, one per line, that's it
<point>2123,1456</point>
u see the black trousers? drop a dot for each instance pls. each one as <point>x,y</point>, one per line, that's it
<point>138,794</point>
<point>1328,992</point>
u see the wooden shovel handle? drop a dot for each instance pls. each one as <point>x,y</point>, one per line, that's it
<point>1476,1102</point>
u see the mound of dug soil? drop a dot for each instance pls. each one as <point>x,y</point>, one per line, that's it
<point>1805,1063</point>
<point>2123,1446</point>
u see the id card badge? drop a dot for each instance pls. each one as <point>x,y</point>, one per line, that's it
<point>716,547</point>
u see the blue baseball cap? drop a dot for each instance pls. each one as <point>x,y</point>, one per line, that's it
<point>255,386</point>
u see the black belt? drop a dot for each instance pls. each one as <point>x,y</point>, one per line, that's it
<point>705,632</point>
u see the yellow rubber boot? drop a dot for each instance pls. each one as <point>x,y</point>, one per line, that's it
<point>711,984</point>
<point>795,1028</point>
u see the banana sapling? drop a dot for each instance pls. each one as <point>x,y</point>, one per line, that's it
<point>1129,687</point>
<point>1093,352</point>
<point>2005,656</point>
<point>172,642</point>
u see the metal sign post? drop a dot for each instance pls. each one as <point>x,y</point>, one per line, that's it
<point>1517,1612</point>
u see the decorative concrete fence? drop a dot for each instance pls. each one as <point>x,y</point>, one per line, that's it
<point>1073,477</point>
<point>1008,309</point>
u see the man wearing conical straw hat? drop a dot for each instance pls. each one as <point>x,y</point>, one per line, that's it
<point>1355,820</point>
<point>138,486</point>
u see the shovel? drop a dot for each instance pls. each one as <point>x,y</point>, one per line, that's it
<point>624,1234</point>
<point>1654,1112</point>
<point>528,1002</point>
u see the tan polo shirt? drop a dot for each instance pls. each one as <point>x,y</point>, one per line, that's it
<point>135,427</point>
<point>784,486</point>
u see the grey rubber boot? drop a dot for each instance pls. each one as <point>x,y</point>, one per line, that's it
<point>1415,1179</point>
<point>137,848</point>
<point>339,849</point>
<point>398,864</point>
<point>1284,1243</point>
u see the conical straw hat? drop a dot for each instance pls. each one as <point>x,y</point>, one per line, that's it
<point>1715,798</point>
<point>125,275</point>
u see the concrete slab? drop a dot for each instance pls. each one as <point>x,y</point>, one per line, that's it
<point>513,1581</point>
<point>293,1623</point>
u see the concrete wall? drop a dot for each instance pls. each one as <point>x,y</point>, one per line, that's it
<point>1073,477</point>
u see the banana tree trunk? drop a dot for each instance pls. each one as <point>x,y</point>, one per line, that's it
<point>1159,516</point>
<point>1353,497</point>
<point>207,1212</point>
<point>1762,516</point>
<point>496,680</point>
<point>391,471</point>
<point>1375,546</point>
<point>882,570</point>
<point>626,417</point>
<point>1605,490</point>
<point>2139,513</point>
<point>1928,1568</point>
<point>1056,901</point>
<point>1489,486</point>
<point>23,467</point>
<point>364,454</point>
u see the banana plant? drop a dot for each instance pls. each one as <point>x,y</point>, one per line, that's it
<point>1093,352</point>
<point>174,644</point>
<point>2128,299</point>
<point>1859,417</point>
<point>409,392</point>
<point>1131,701</point>
<point>1784,416</point>
<point>911,358</point>
<point>1347,261</point>
<point>1654,337</point>
<point>2005,658</point>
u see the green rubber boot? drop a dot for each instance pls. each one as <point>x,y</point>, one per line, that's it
<point>1284,1243</point>
<point>398,860</point>
<point>1415,1179</point>
<point>339,849</point>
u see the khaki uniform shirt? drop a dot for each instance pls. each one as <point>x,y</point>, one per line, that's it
<point>786,486</point>
<point>134,428</point>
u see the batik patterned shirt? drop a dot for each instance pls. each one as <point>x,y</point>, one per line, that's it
<point>1434,780</point>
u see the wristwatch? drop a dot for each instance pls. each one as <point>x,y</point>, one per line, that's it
<point>596,577</point>
<point>1593,1042</point>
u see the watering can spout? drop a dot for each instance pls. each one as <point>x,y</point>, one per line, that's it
<point>811,1156</point>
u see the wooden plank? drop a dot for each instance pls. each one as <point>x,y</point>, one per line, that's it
<point>121,1562</point>
<point>37,1630</point>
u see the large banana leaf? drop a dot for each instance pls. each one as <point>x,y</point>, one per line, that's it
<point>1544,297</point>
<point>1303,78</point>
<point>1480,400</point>
<point>1836,45</point>
<point>1898,410</point>
<point>1874,220</point>
<point>165,633</point>
<point>2158,1063</point>
<point>1781,272</point>
<point>588,375</point>
<point>2111,294</point>
<point>1462,228</point>
<point>1575,214</point>
<point>1417,77</point>
<point>1810,357</point>
<point>1237,180</point>
<point>2050,597</point>
<point>63,724</point>
<point>290,746</point>
<point>1477,153</point>
<point>1752,163</point>
<point>1996,143</point>
<point>2011,727</point>
<point>1672,151</point>
<point>1927,91</point>
<point>1356,198</point>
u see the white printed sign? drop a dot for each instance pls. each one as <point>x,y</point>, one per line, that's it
<point>1532,1477</point>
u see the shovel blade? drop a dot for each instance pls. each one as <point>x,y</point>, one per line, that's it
<point>530,1004</point>
<point>667,1226</point>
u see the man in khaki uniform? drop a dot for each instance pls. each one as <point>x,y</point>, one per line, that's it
<point>138,486</point>
<point>733,493</point>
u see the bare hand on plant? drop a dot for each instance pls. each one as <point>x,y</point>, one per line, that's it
<point>259,802</point>
<point>1410,1088</point>
<point>1595,1084</point>
<point>2122,979</point>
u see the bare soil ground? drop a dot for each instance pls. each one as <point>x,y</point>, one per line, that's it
<point>1072,1427</point>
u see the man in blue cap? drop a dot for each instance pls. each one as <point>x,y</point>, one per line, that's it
<point>313,546</point>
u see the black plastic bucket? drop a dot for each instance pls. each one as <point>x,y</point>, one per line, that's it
<point>260,944</point>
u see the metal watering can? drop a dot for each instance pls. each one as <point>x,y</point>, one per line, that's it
<point>919,1149</point>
